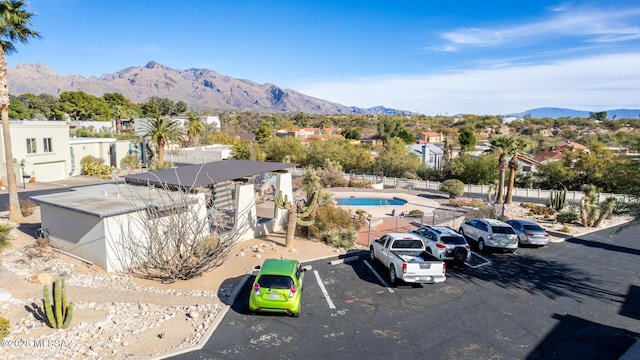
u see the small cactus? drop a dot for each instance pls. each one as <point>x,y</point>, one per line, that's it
<point>59,314</point>
<point>558,199</point>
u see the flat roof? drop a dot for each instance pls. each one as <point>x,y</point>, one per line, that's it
<point>190,176</point>
<point>107,200</point>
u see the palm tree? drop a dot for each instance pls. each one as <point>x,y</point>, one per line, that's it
<point>195,127</point>
<point>15,26</point>
<point>6,235</point>
<point>162,130</point>
<point>501,145</point>
<point>519,145</point>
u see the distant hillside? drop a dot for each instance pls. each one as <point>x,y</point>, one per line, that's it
<point>555,113</point>
<point>200,89</point>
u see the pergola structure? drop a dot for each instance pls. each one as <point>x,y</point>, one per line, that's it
<point>217,176</point>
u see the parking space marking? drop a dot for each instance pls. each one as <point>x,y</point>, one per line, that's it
<point>485,263</point>
<point>384,283</point>
<point>324,290</point>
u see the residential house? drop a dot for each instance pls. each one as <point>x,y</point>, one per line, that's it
<point>558,152</point>
<point>429,154</point>
<point>429,138</point>
<point>43,148</point>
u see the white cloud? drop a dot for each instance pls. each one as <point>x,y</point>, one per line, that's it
<point>593,83</point>
<point>596,25</point>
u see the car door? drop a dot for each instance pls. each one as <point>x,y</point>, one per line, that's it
<point>473,229</point>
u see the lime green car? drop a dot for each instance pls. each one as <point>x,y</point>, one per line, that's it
<point>278,287</point>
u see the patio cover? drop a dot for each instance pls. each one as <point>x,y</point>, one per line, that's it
<point>190,176</point>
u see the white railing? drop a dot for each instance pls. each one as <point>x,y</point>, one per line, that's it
<point>423,185</point>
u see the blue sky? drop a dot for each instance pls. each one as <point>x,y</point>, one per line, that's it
<point>434,57</point>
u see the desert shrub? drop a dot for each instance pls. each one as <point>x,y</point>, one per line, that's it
<point>621,208</point>
<point>362,214</point>
<point>27,207</point>
<point>416,212</point>
<point>331,177</point>
<point>488,212</point>
<point>567,216</point>
<point>360,184</point>
<point>538,209</point>
<point>453,187</point>
<point>164,166</point>
<point>131,162</point>
<point>565,229</point>
<point>336,227</point>
<point>5,325</point>
<point>93,166</point>
<point>460,202</point>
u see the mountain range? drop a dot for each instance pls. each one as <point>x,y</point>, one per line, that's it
<point>208,91</point>
<point>201,89</point>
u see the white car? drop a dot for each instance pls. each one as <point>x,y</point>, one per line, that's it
<point>444,243</point>
<point>490,233</point>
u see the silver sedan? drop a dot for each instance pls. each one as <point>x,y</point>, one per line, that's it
<point>529,232</point>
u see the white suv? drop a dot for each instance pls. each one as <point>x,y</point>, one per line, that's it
<point>490,233</point>
<point>444,243</point>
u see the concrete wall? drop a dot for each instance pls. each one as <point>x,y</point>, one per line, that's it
<point>81,147</point>
<point>78,233</point>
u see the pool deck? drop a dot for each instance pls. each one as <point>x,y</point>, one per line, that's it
<point>413,202</point>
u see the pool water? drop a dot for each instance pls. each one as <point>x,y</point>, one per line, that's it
<point>353,201</point>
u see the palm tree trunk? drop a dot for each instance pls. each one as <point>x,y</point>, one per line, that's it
<point>15,214</point>
<point>513,168</point>
<point>160,151</point>
<point>501,167</point>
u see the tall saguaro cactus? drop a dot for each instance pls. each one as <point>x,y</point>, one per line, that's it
<point>58,314</point>
<point>296,214</point>
<point>557,199</point>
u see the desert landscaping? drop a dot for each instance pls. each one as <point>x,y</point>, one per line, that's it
<point>120,317</point>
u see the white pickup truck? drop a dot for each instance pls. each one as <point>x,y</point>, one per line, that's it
<point>407,259</point>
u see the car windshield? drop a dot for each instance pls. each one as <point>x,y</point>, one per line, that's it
<point>275,282</point>
<point>532,227</point>
<point>502,230</point>
<point>453,240</point>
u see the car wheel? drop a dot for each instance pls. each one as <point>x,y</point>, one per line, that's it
<point>460,254</point>
<point>481,245</point>
<point>392,275</point>
<point>372,254</point>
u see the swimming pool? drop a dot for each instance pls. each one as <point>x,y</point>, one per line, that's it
<point>368,201</point>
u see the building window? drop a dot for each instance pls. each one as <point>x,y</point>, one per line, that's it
<point>47,145</point>
<point>31,146</point>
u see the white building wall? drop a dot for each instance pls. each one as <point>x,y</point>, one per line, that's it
<point>43,166</point>
<point>75,232</point>
<point>82,147</point>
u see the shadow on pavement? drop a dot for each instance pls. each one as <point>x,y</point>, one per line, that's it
<point>576,338</point>
<point>605,246</point>
<point>631,306</point>
<point>551,278</point>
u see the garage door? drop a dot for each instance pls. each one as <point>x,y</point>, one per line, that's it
<point>51,171</point>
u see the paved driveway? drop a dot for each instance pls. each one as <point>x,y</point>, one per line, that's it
<point>577,299</point>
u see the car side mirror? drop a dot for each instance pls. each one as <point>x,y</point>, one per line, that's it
<point>257,267</point>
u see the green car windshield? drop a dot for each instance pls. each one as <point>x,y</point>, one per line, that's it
<point>275,282</point>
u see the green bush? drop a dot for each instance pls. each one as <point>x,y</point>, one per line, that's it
<point>5,325</point>
<point>336,227</point>
<point>27,207</point>
<point>95,167</point>
<point>453,187</point>
<point>565,229</point>
<point>131,162</point>
<point>416,212</point>
<point>165,165</point>
<point>567,216</point>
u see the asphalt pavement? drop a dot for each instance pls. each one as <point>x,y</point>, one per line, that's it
<point>575,299</point>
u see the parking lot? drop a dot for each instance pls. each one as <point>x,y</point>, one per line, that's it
<point>576,299</point>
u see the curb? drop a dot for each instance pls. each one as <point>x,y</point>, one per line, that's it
<point>218,319</point>
<point>568,236</point>
<point>212,328</point>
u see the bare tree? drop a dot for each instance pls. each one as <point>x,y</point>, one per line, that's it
<point>173,237</point>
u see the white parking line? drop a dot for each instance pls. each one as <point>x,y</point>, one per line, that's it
<point>485,263</point>
<point>378,276</point>
<point>324,290</point>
